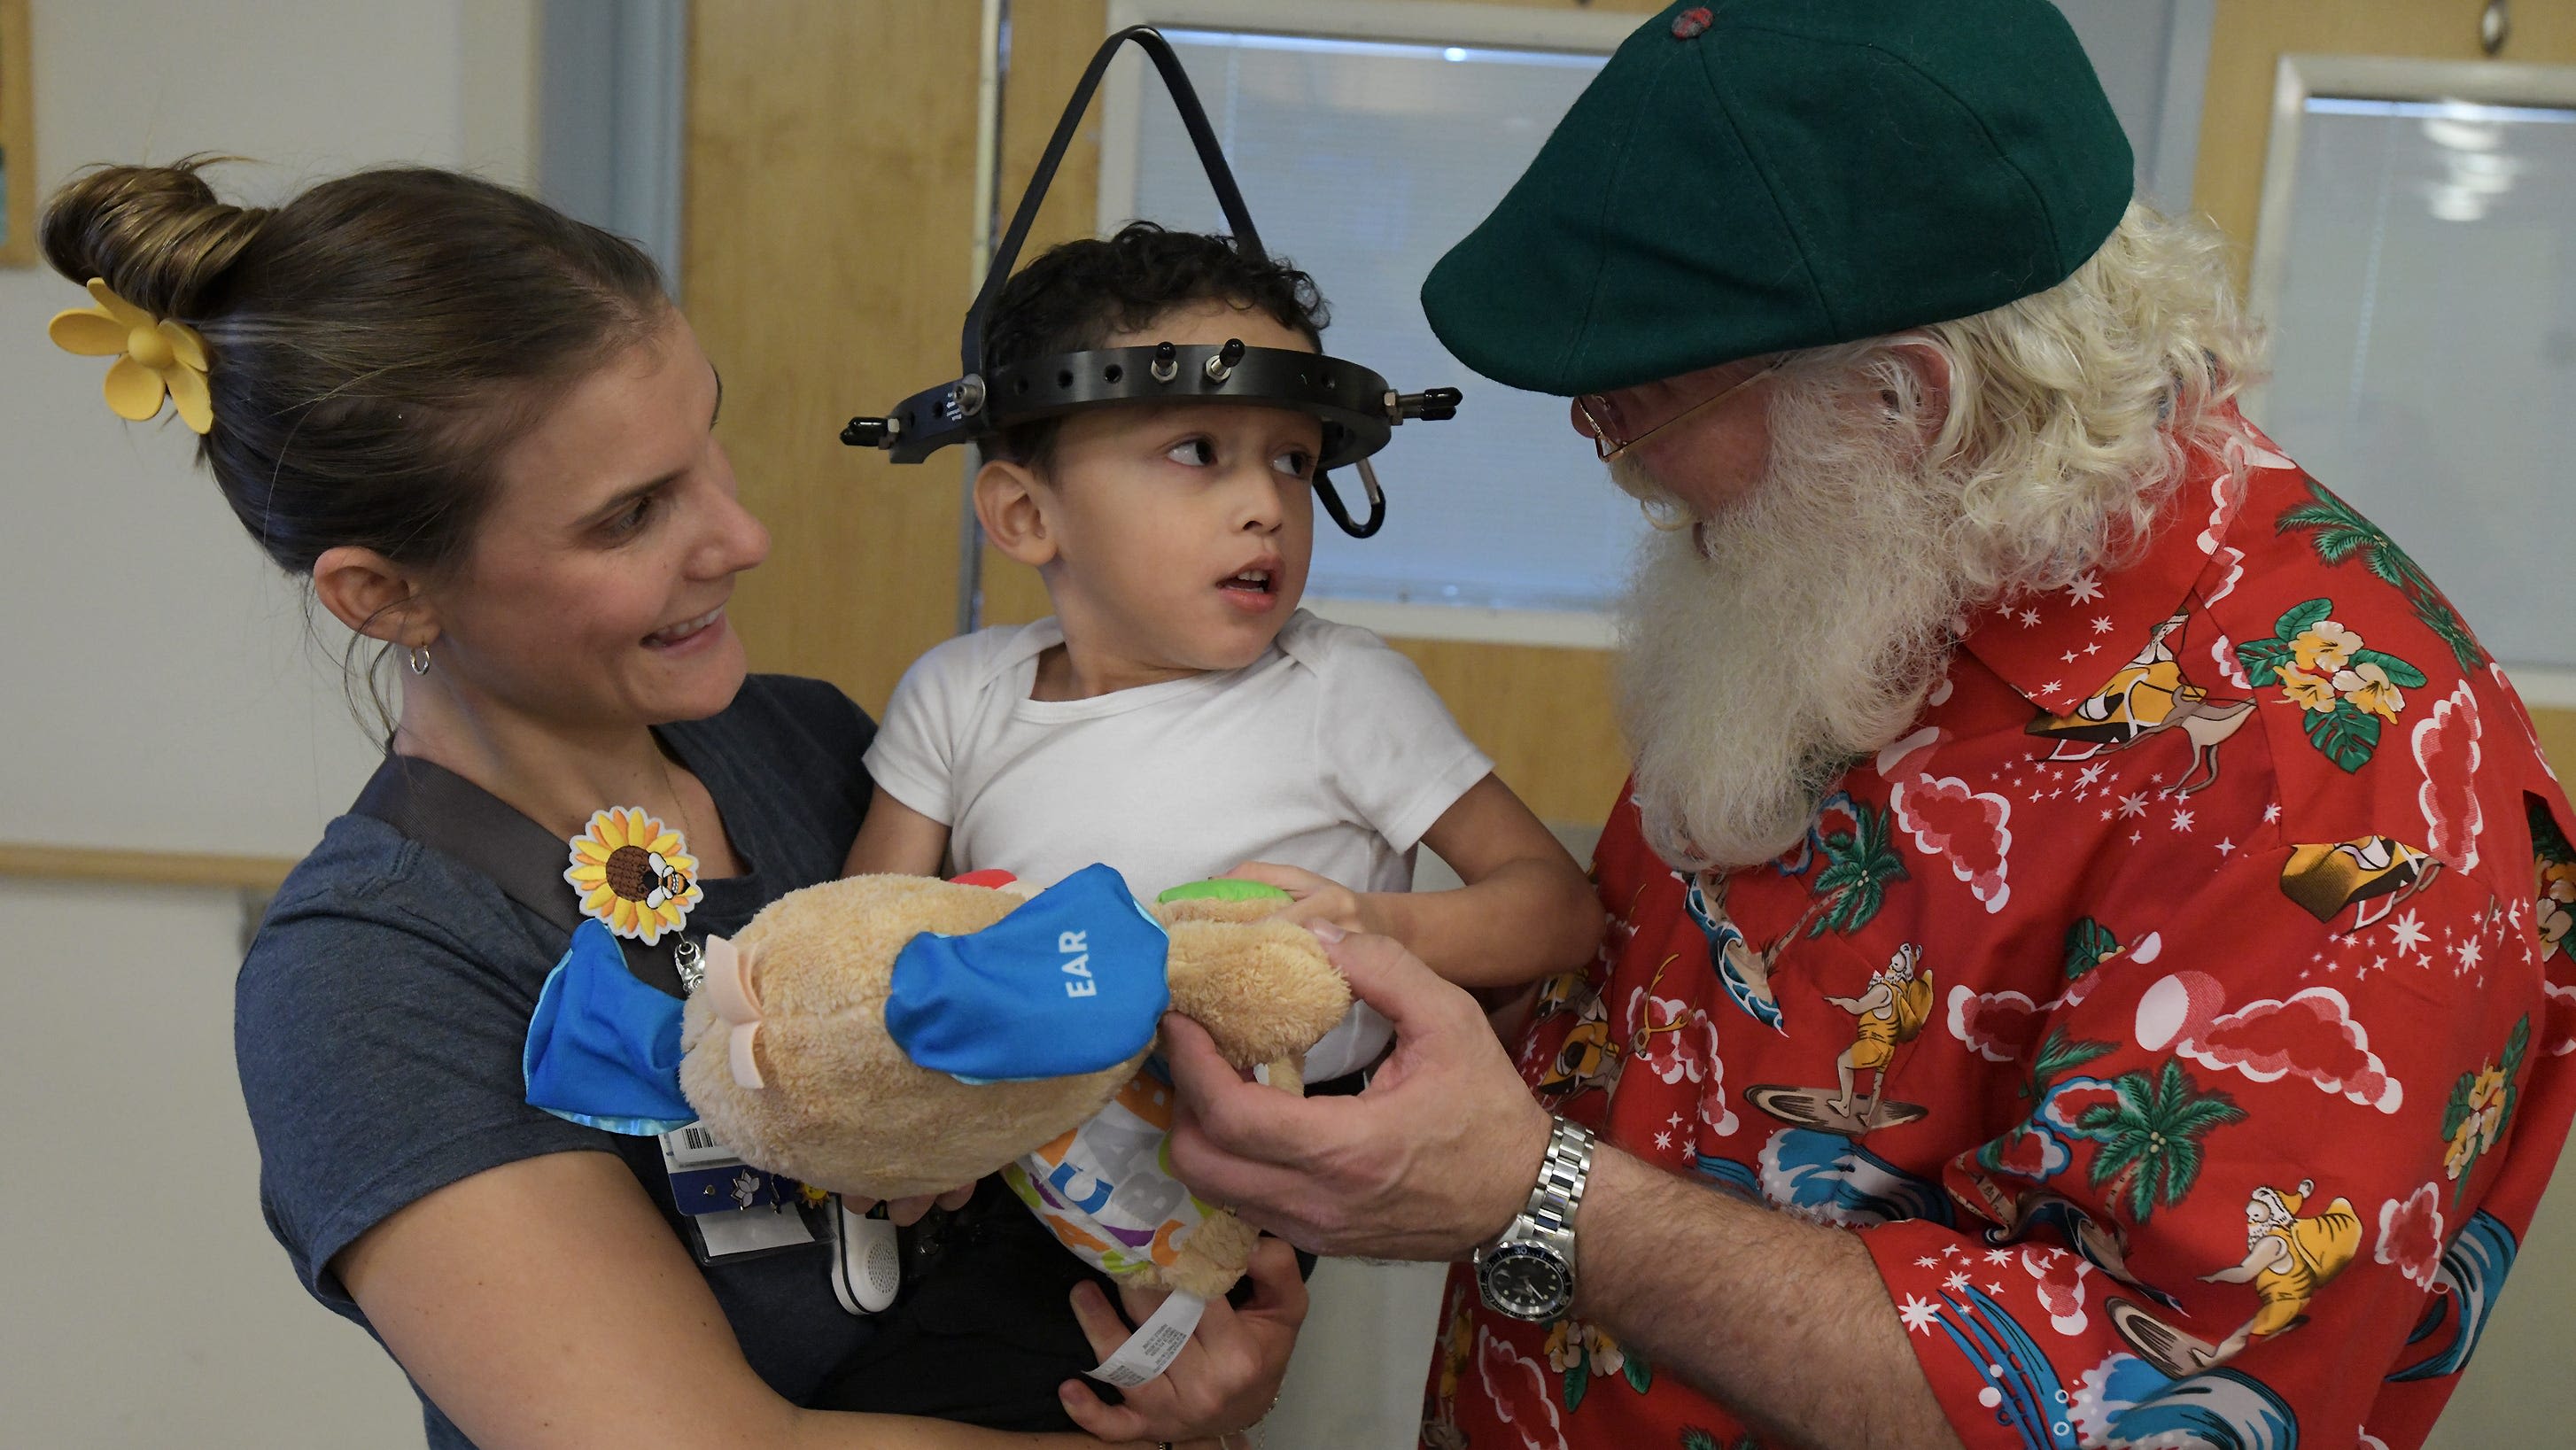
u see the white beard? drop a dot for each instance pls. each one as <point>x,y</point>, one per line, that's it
<point>1804,637</point>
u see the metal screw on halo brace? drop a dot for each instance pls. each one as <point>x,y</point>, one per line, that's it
<point>1221,366</point>
<point>691,963</point>
<point>1165,368</point>
<point>1432,405</point>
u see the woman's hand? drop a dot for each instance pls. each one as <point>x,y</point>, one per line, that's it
<point>1317,898</point>
<point>908,1211</point>
<point>1225,1379</point>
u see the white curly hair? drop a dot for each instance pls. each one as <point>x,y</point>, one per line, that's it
<point>2070,414</point>
<point>1801,628</point>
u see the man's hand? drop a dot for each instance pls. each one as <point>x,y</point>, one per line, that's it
<point>1432,1160</point>
<point>1227,1376</point>
<point>1317,898</point>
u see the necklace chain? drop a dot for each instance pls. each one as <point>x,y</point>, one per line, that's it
<point>679,801</point>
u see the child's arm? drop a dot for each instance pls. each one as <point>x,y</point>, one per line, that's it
<point>1526,910</point>
<point>896,840</point>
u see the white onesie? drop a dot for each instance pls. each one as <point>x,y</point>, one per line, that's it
<point>1330,752</point>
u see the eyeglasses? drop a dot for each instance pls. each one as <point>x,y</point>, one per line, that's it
<point>1601,417</point>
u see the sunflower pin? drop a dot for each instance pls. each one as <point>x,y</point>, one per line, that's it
<point>636,875</point>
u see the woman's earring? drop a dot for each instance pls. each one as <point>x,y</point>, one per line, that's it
<point>419,659</point>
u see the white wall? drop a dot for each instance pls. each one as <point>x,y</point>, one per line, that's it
<point>2152,56</point>
<point>148,1306</point>
<point>159,691</point>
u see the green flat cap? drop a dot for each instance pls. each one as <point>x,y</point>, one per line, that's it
<point>1750,176</point>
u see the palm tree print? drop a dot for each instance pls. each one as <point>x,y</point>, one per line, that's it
<point>2088,945</point>
<point>1859,865</point>
<point>2341,534</point>
<point>2058,1055</point>
<point>2150,1137</point>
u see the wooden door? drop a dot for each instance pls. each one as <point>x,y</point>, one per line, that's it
<point>2246,47</point>
<point>830,203</point>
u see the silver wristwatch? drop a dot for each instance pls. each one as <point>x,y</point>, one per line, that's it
<point>1528,1273</point>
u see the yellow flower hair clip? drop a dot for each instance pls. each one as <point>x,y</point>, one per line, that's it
<point>153,356</point>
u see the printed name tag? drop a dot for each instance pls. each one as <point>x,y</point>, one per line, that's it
<point>733,1209</point>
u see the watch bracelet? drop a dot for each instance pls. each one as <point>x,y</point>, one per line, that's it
<point>1563,1171</point>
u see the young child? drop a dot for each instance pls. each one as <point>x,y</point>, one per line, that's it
<point>1180,717</point>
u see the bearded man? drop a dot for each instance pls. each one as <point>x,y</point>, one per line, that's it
<point>1940,425</point>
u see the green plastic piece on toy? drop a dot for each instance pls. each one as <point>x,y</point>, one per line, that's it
<point>1223,891</point>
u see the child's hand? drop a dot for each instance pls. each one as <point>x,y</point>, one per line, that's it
<point>1226,1377</point>
<point>1317,899</point>
<point>1508,1008</point>
<point>908,1211</point>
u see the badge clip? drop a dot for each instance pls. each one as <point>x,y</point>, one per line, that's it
<point>635,875</point>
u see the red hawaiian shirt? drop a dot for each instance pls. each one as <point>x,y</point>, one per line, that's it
<point>2181,1014</point>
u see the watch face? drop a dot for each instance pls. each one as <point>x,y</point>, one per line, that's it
<point>1526,1281</point>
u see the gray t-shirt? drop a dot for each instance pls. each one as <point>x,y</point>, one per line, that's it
<point>380,1016</point>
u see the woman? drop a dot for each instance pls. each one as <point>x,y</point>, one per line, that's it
<point>483,433</point>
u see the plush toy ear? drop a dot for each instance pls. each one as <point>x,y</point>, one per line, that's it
<point>1262,989</point>
<point>734,996</point>
<point>1070,982</point>
<point>603,1049</point>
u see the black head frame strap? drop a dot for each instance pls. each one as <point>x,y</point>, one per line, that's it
<point>1356,406</point>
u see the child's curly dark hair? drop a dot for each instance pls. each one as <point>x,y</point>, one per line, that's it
<point>1075,296</point>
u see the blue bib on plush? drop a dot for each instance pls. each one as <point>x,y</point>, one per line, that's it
<point>603,1048</point>
<point>1070,982</point>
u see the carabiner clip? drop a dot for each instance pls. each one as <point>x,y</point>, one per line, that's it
<point>1333,502</point>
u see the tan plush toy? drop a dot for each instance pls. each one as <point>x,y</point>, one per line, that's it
<point>846,1038</point>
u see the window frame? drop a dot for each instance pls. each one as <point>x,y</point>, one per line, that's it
<point>2303,77</point>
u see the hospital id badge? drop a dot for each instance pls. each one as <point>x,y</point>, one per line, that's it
<point>733,1210</point>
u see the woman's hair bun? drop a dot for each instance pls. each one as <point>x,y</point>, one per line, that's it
<point>373,346</point>
<point>158,234</point>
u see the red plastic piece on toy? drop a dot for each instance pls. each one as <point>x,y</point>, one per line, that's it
<point>996,878</point>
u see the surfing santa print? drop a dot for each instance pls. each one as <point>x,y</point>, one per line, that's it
<point>1888,1012</point>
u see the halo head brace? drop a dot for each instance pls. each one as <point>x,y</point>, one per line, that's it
<point>1357,407</point>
